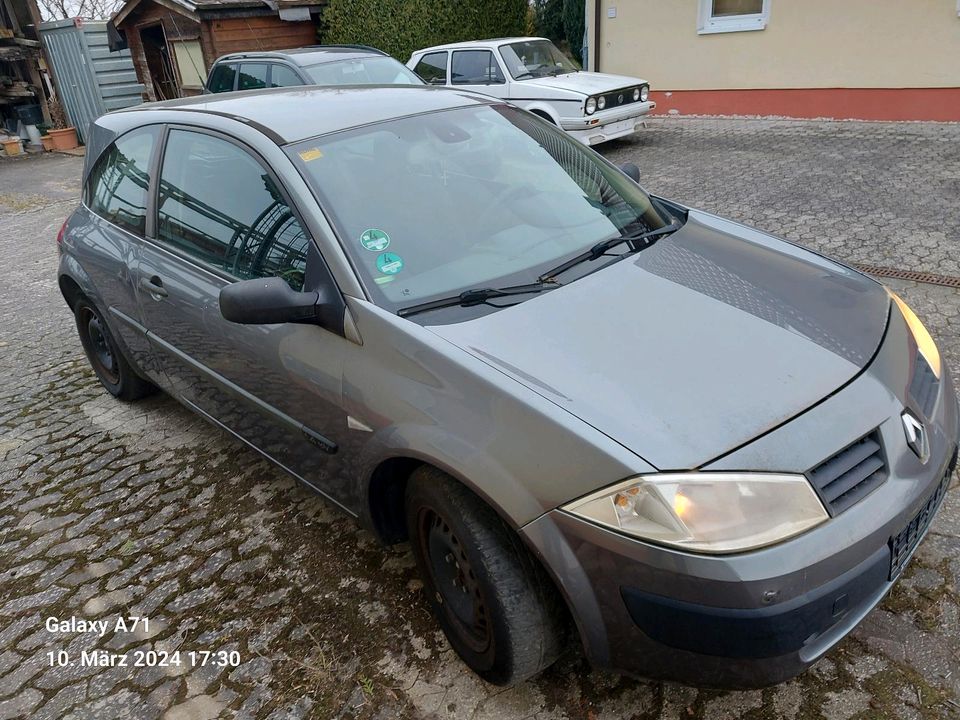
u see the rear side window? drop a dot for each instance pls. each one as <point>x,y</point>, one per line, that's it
<point>117,187</point>
<point>282,76</point>
<point>433,68</point>
<point>252,76</point>
<point>475,67</point>
<point>217,204</point>
<point>221,80</point>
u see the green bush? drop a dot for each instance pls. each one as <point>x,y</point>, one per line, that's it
<point>549,15</point>
<point>573,26</point>
<point>401,26</point>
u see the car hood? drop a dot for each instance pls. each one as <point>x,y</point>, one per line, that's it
<point>692,347</point>
<point>588,83</point>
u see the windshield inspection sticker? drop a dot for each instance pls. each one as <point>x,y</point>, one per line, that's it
<point>375,240</point>
<point>311,154</point>
<point>389,264</point>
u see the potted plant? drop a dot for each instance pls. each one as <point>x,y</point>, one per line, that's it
<point>45,138</point>
<point>63,136</point>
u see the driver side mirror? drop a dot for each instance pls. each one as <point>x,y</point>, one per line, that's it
<point>631,171</point>
<point>264,301</point>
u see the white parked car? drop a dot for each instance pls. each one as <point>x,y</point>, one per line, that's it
<point>532,73</point>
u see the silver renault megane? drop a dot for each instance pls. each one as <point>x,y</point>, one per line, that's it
<point>706,452</point>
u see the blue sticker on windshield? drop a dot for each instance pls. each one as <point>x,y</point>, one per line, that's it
<point>389,263</point>
<point>375,240</point>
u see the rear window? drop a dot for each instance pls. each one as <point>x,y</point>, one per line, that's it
<point>117,187</point>
<point>282,76</point>
<point>433,68</point>
<point>253,76</point>
<point>221,80</point>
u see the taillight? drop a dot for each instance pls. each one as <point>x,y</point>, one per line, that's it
<point>63,229</point>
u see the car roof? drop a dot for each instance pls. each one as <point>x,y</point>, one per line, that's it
<point>291,114</point>
<point>489,43</point>
<point>307,55</point>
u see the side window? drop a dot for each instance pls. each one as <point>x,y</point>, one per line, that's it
<point>433,68</point>
<point>222,78</point>
<point>219,205</point>
<point>117,186</point>
<point>475,67</point>
<point>282,76</point>
<point>252,76</point>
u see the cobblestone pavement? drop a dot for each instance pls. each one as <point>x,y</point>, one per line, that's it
<point>110,509</point>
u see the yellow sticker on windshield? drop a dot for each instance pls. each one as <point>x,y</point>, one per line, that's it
<point>311,154</point>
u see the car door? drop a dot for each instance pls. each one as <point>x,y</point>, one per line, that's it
<point>478,70</point>
<point>115,200</point>
<point>221,216</point>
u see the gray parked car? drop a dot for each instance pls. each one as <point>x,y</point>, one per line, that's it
<point>315,65</point>
<point>706,451</point>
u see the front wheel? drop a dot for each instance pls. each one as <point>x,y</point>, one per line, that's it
<point>496,605</point>
<point>111,367</point>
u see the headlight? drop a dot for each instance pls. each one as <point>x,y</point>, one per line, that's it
<point>636,94</point>
<point>644,93</point>
<point>707,512</point>
<point>601,102</point>
<point>591,106</point>
<point>925,343</point>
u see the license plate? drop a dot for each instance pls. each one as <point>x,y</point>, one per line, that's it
<point>905,542</point>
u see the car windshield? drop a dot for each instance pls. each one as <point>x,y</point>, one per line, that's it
<point>374,70</point>
<point>535,59</point>
<point>481,196</point>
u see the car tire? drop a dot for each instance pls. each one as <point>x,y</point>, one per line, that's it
<point>112,369</point>
<point>495,603</point>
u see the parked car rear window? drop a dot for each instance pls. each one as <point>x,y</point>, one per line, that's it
<point>433,68</point>
<point>374,70</point>
<point>282,76</point>
<point>252,76</point>
<point>475,67</point>
<point>222,78</point>
<point>218,205</point>
<point>117,187</point>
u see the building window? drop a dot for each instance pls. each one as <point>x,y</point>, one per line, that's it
<point>720,16</point>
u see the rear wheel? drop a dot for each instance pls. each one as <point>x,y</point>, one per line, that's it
<point>496,605</point>
<point>111,367</point>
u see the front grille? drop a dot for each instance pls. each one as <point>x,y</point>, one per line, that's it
<point>924,385</point>
<point>849,476</point>
<point>618,98</point>
<point>903,545</point>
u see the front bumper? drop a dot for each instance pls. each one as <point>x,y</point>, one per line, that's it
<point>607,124</point>
<point>758,618</point>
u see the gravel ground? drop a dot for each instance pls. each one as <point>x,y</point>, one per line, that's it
<point>109,509</point>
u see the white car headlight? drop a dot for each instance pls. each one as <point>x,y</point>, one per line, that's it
<point>707,512</point>
<point>925,343</point>
<point>591,106</point>
<point>636,94</point>
<point>644,93</point>
<point>601,102</point>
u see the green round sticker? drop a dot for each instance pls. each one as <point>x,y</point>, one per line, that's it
<point>375,240</point>
<point>389,264</point>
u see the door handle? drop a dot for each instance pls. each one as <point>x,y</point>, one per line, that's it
<point>154,286</point>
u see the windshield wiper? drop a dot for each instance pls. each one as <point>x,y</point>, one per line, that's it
<point>476,296</point>
<point>636,242</point>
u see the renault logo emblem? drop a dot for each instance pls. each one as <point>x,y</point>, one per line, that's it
<point>916,436</point>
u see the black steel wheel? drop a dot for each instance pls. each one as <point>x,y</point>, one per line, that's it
<point>112,369</point>
<point>495,603</point>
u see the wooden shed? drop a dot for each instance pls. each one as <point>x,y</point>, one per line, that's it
<point>174,42</point>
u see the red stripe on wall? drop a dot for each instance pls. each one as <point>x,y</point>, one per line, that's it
<point>841,103</point>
